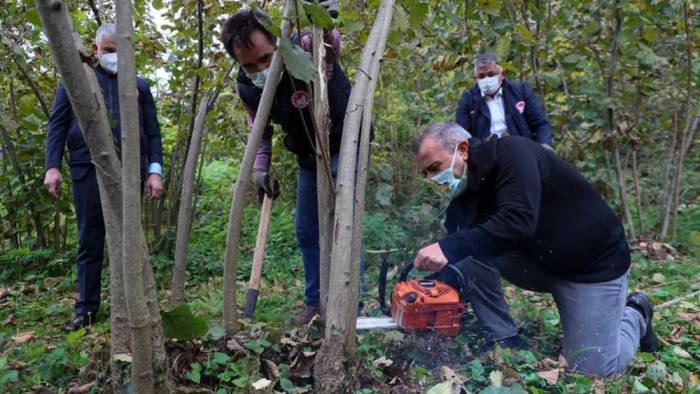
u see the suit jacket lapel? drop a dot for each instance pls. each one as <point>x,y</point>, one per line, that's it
<point>508,106</point>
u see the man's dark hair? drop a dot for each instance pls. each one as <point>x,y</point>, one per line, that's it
<point>238,29</point>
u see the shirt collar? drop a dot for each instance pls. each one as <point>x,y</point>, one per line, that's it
<point>498,94</point>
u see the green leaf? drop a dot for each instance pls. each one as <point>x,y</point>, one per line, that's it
<point>286,385</point>
<point>9,376</point>
<point>384,194</point>
<point>319,15</point>
<point>352,26</point>
<point>157,4</point>
<point>221,358</point>
<point>180,323</point>
<point>33,17</point>
<point>216,331</point>
<point>638,387</point>
<point>417,10</point>
<point>525,34</point>
<point>194,376</point>
<point>442,388</point>
<point>492,7</point>
<point>299,62</point>
<point>264,19</point>
<point>656,371</point>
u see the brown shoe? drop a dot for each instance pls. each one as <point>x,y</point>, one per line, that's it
<point>305,316</point>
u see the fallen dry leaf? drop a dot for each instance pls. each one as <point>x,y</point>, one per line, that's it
<point>261,384</point>
<point>447,374</point>
<point>692,318</point>
<point>681,352</point>
<point>8,321</point>
<point>598,386</point>
<point>550,376</point>
<point>24,337</point>
<point>234,346</point>
<point>4,292</point>
<point>81,389</point>
<point>382,361</point>
<point>272,367</point>
<point>694,380</point>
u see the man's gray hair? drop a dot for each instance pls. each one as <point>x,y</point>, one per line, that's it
<point>485,59</point>
<point>108,29</point>
<point>447,134</point>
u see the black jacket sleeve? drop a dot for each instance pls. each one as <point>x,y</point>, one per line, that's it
<point>462,116</point>
<point>518,191</point>
<point>535,116</point>
<point>150,125</point>
<point>59,122</point>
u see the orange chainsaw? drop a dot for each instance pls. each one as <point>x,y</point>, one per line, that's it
<point>423,304</point>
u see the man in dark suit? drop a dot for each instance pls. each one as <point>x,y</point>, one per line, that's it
<point>495,106</point>
<point>64,130</point>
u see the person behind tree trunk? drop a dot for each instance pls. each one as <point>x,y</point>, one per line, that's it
<point>520,212</point>
<point>248,43</point>
<point>64,130</point>
<point>495,106</point>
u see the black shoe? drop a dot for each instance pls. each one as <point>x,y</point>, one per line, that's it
<point>515,342</point>
<point>79,322</point>
<point>640,301</point>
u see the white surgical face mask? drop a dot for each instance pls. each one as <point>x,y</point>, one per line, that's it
<point>490,85</point>
<point>108,61</point>
<point>457,185</point>
<point>260,77</point>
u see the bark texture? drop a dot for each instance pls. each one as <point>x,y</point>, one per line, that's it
<point>87,103</point>
<point>133,246</point>
<point>233,236</point>
<point>324,182</point>
<point>187,203</point>
<point>332,373</point>
<point>184,218</point>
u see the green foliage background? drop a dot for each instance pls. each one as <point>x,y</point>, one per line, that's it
<point>562,48</point>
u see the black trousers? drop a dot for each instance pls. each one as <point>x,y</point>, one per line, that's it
<point>91,231</point>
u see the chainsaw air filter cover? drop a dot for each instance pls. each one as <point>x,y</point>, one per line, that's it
<point>427,304</point>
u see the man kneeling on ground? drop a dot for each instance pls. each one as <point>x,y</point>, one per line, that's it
<point>520,212</point>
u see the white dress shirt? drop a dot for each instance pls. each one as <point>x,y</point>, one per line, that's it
<point>498,115</point>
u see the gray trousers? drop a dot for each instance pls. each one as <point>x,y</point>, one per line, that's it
<point>601,334</point>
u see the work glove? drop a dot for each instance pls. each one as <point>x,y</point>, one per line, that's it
<point>261,180</point>
<point>331,6</point>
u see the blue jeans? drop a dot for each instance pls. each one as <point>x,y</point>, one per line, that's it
<point>307,231</point>
<point>600,333</point>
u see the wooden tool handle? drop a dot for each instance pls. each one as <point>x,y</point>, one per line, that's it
<point>258,256</point>
<point>260,243</point>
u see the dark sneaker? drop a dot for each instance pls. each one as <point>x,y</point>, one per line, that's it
<point>79,321</point>
<point>515,342</point>
<point>305,316</point>
<point>640,301</point>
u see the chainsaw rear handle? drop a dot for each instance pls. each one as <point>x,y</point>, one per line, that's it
<point>460,277</point>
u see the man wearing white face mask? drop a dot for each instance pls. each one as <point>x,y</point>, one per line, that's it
<point>495,106</point>
<point>65,131</point>
<point>575,249</point>
<point>248,43</point>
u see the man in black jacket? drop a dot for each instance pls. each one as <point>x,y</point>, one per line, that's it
<point>574,249</point>
<point>495,105</point>
<point>253,47</point>
<point>65,131</point>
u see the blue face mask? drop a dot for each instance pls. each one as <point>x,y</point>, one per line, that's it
<point>260,77</point>
<point>457,186</point>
